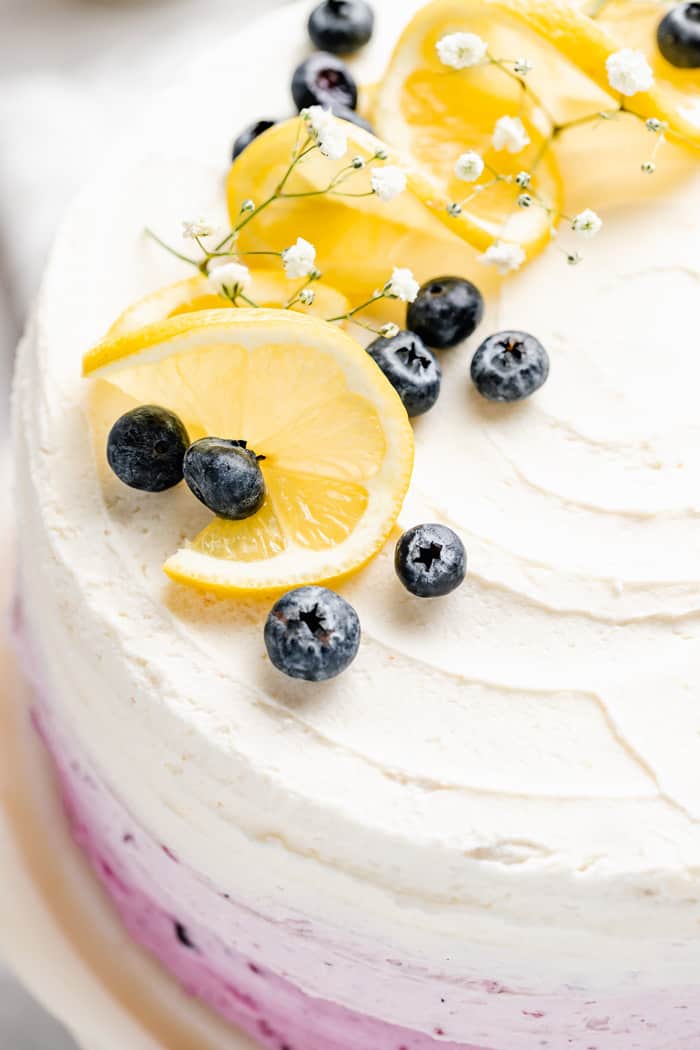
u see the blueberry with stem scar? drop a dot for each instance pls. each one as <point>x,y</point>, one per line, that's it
<point>430,560</point>
<point>412,369</point>
<point>445,312</point>
<point>312,633</point>
<point>146,448</point>
<point>324,80</point>
<point>509,366</point>
<point>225,476</point>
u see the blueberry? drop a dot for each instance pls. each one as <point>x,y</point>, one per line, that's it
<point>146,448</point>
<point>249,134</point>
<point>678,36</point>
<point>412,369</point>
<point>430,560</point>
<point>225,476</point>
<point>509,366</point>
<point>445,311</point>
<point>312,633</point>
<point>341,26</point>
<point>324,80</point>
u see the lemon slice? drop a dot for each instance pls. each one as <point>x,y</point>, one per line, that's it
<point>359,238</point>
<point>633,23</point>
<point>267,289</point>
<point>337,443</point>
<point>433,114</point>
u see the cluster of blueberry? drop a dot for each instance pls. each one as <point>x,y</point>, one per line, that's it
<point>311,633</point>
<point>507,366</point>
<point>336,27</point>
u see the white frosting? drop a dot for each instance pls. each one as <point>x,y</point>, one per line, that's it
<point>506,784</point>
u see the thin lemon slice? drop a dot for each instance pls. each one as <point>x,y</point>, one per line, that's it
<point>268,288</point>
<point>433,114</point>
<point>337,443</point>
<point>358,237</point>
<point>633,23</point>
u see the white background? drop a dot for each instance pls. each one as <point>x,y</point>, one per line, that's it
<point>74,74</point>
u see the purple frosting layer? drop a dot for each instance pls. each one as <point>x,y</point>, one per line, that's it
<point>242,989</point>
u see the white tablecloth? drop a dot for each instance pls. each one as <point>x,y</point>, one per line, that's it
<point>73,75</point>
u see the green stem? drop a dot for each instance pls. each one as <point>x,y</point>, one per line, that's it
<point>363,306</point>
<point>178,255</point>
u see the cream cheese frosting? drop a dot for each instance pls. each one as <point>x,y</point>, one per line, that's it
<point>506,784</point>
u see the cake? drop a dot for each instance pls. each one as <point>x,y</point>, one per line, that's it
<point>485,834</point>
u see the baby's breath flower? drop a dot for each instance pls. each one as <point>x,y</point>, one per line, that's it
<point>454,209</point>
<point>388,182</point>
<point>327,131</point>
<point>381,154</point>
<point>402,285</point>
<point>248,205</point>
<point>357,163</point>
<point>588,223</point>
<point>510,134</point>
<point>389,331</point>
<point>574,258</point>
<point>525,200</point>
<point>461,50</point>
<point>523,66</point>
<point>523,179</point>
<point>228,278</point>
<point>629,72</point>
<point>299,260</point>
<point>505,257</point>
<point>193,228</point>
<point>648,167</point>
<point>470,166</point>
<point>307,296</point>
<point>655,125</point>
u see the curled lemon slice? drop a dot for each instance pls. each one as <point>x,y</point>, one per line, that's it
<point>337,443</point>
<point>268,288</point>
<point>433,114</point>
<point>359,238</point>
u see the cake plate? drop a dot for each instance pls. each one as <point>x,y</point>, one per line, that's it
<point>58,931</point>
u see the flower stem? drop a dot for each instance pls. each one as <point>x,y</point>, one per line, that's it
<point>178,255</point>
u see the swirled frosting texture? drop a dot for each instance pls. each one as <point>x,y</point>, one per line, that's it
<point>506,784</point>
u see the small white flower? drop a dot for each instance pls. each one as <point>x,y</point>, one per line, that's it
<point>505,257</point>
<point>193,228</point>
<point>328,132</point>
<point>307,296</point>
<point>523,66</point>
<point>523,179</point>
<point>461,50</point>
<point>588,223</point>
<point>388,182</point>
<point>357,163</point>
<point>228,278</point>
<point>402,285</point>
<point>574,258</point>
<point>454,209</point>
<point>510,134</point>
<point>389,331</point>
<point>248,205</point>
<point>648,167</point>
<point>381,154</point>
<point>299,260</point>
<point>629,71</point>
<point>525,200</point>
<point>655,125</point>
<point>470,166</point>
